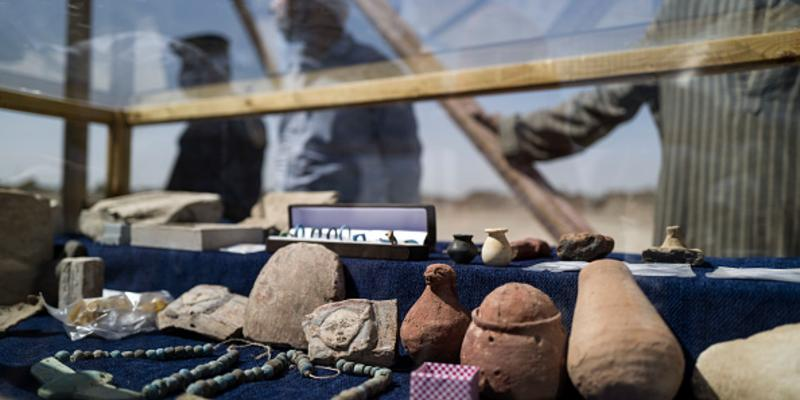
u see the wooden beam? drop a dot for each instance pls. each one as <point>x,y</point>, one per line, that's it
<point>251,28</point>
<point>42,105</point>
<point>556,214</point>
<point>76,86</point>
<point>118,170</point>
<point>713,56</point>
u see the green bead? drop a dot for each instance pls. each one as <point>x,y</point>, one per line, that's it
<point>115,353</point>
<point>99,354</point>
<point>348,366</point>
<point>186,374</point>
<point>194,389</point>
<point>208,348</point>
<point>198,349</point>
<point>171,383</point>
<point>291,354</point>
<point>169,352</point>
<point>248,375</point>
<point>127,354</point>
<point>188,348</point>
<point>76,355</point>
<point>238,374</point>
<point>139,353</point>
<point>62,356</point>
<point>340,363</point>
<point>219,381</point>
<point>151,354</point>
<point>268,371</point>
<point>358,369</point>
<point>160,354</point>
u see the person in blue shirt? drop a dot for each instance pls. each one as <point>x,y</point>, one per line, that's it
<point>368,154</point>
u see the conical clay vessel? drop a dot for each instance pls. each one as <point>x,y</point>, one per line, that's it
<point>435,325</point>
<point>620,348</point>
<point>517,339</point>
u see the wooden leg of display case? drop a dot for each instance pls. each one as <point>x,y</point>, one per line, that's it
<point>119,159</point>
<point>76,86</point>
<point>554,212</point>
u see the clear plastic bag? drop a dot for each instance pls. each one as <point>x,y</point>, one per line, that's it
<point>113,316</point>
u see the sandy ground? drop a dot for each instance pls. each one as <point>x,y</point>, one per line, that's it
<point>628,218</point>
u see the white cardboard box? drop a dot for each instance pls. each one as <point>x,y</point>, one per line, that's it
<point>194,237</point>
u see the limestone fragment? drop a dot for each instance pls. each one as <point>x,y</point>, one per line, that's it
<point>295,281</point>
<point>620,348</point>
<point>209,310</point>
<point>673,250</point>
<point>79,278</point>
<point>272,210</point>
<point>357,330</point>
<point>758,367</point>
<point>12,315</point>
<point>26,243</point>
<point>151,208</point>
<point>584,246</point>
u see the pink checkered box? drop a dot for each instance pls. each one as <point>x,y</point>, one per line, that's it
<point>436,381</point>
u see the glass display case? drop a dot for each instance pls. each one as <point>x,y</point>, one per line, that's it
<point>653,132</point>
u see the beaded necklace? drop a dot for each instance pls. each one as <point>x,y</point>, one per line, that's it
<point>210,379</point>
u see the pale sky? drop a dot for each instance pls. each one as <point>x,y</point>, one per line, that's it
<point>30,146</point>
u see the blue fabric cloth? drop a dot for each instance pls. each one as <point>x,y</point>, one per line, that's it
<point>368,154</point>
<point>700,311</point>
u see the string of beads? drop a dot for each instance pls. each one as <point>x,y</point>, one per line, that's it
<point>380,380</point>
<point>211,387</point>
<point>160,388</point>
<point>164,353</point>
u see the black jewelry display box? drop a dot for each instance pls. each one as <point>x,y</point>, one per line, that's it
<point>335,226</point>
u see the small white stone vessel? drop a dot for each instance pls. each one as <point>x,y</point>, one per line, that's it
<point>496,250</point>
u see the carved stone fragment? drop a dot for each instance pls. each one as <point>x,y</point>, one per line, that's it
<point>435,325</point>
<point>673,250</point>
<point>758,367</point>
<point>79,278</point>
<point>26,243</point>
<point>357,330</point>
<point>517,339</point>
<point>151,208</point>
<point>296,280</point>
<point>209,310</point>
<point>12,315</point>
<point>584,246</point>
<point>620,348</point>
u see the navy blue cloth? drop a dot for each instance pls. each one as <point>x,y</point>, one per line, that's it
<point>700,311</point>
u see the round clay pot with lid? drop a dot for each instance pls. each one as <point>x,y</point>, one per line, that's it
<point>517,339</point>
<point>461,249</point>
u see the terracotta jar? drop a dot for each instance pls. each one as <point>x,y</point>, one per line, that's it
<point>435,325</point>
<point>517,339</point>
<point>620,348</point>
<point>461,249</point>
<point>496,250</point>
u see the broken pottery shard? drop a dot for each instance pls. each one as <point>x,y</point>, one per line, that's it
<point>272,211</point>
<point>434,327</point>
<point>759,367</point>
<point>26,243</point>
<point>11,315</point>
<point>296,280</point>
<point>584,246</point>
<point>151,208</point>
<point>79,278</point>
<point>673,250</point>
<point>518,340</point>
<point>620,348</point>
<point>530,248</point>
<point>210,310</point>
<point>357,330</point>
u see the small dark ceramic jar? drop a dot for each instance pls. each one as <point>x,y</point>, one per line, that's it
<point>462,250</point>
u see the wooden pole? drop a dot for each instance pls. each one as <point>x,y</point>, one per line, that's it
<point>118,170</point>
<point>250,26</point>
<point>557,216</point>
<point>73,186</point>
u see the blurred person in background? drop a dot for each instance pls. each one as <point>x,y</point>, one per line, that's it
<point>222,156</point>
<point>367,154</point>
<point>730,142</point>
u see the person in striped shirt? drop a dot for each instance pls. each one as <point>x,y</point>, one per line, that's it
<point>729,142</point>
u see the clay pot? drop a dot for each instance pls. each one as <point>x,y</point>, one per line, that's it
<point>530,248</point>
<point>435,325</point>
<point>620,348</point>
<point>461,249</point>
<point>496,250</point>
<point>517,339</point>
